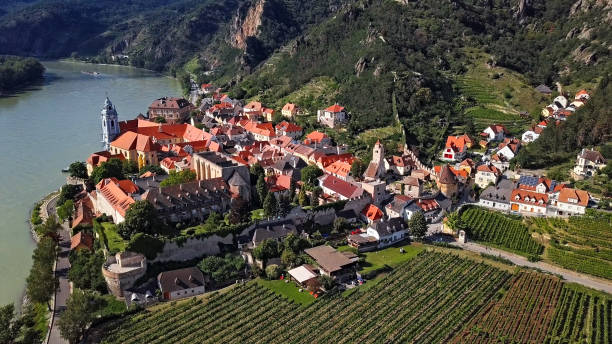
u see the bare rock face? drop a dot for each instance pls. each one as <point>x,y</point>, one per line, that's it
<point>522,9</point>
<point>584,55</point>
<point>360,66</point>
<point>247,25</point>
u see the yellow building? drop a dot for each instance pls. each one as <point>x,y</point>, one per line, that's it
<point>136,147</point>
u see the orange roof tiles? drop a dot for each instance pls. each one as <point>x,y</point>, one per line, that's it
<point>288,127</point>
<point>574,196</point>
<point>115,195</point>
<point>458,143</point>
<point>529,197</point>
<point>372,212</point>
<point>315,137</point>
<point>335,108</point>
<point>339,168</point>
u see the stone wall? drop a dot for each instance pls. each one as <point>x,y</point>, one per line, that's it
<point>193,248</point>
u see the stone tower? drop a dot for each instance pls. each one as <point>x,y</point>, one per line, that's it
<point>110,123</point>
<point>378,154</point>
<point>376,168</point>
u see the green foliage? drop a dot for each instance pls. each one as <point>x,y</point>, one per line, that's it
<point>327,282</point>
<point>146,244</point>
<point>129,167</point>
<point>80,311</point>
<point>49,227</point>
<point>239,212</point>
<point>68,192</point>
<point>86,270</point>
<point>65,210</point>
<point>153,169</point>
<point>176,178</point>
<point>288,258</point>
<point>589,126</point>
<point>78,169</point>
<point>270,205</point>
<point>302,198</point>
<point>223,269</point>
<point>10,325</point>
<point>262,188</point>
<point>113,168</point>
<point>273,271</point>
<point>141,217</point>
<point>310,174</point>
<point>18,72</point>
<point>41,283</point>
<point>418,224</point>
<point>266,249</point>
<point>358,168</point>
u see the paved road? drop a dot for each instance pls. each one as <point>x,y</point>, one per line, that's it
<point>62,267</point>
<point>568,275</point>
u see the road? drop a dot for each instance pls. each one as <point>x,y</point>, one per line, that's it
<point>61,271</point>
<point>568,275</point>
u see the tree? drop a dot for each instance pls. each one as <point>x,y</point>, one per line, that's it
<point>176,178</point>
<point>273,271</point>
<point>453,221</point>
<point>108,169</point>
<point>314,196</point>
<point>10,325</point>
<point>129,167</point>
<point>302,198</point>
<point>141,217</point>
<point>159,119</point>
<point>41,284</point>
<point>256,170</point>
<point>78,170</point>
<point>288,258</point>
<point>66,210</point>
<point>68,192</point>
<point>292,188</point>
<point>222,269</point>
<point>310,174</point>
<point>146,244</point>
<point>358,168</point>
<point>295,243</point>
<point>327,282</point>
<point>45,252</point>
<point>262,189</point>
<point>86,270</point>
<point>266,249</point>
<point>153,169</point>
<point>80,312</point>
<point>270,205</point>
<point>239,212</point>
<point>418,225</point>
<point>284,206</point>
<point>339,224</point>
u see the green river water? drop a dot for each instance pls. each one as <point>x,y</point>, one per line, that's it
<point>45,128</point>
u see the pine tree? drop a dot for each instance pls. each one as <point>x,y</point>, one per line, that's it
<point>270,205</point>
<point>262,188</point>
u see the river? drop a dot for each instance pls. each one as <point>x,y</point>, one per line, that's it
<point>44,129</point>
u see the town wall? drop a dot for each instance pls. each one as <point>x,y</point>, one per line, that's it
<point>192,248</point>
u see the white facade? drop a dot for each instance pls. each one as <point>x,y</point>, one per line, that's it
<point>483,179</point>
<point>102,206</point>
<point>386,240</point>
<point>506,152</point>
<point>179,294</point>
<point>529,136</point>
<point>494,205</point>
<point>110,123</point>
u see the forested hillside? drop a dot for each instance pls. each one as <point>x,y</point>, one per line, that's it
<point>379,58</point>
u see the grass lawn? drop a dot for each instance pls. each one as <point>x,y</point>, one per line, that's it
<point>258,214</point>
<point>112,306</point>
<point>114,241</point>
<point>289,290</point>
<point>390,256</point>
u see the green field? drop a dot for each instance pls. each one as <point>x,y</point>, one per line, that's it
<point>390,256</point>
<point>289,290</point>
<point>580,243</point>
<point>114,242</point>
<point>495,228</point>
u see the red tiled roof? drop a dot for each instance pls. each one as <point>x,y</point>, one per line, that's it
<point>372,212</point>
<point>339,168</point>
<point>288,127</point>
<point>498,128</point>
<point>289,107</point>
<point>99,157</point>
<point>115,195</point>
<point>254,106</point>
<point>340,187</point>
<point>580,197</point>
<point>81,238</point>
<point>133,141</point>
<point>315,137</point>
<point>427,204</point>
<point>335,108</point>
<point>170,103</point>
<point>529,197</point>
<point>458,143</point>
<point>489,168</point>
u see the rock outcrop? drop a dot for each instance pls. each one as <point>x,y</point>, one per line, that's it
<point>246,25</point>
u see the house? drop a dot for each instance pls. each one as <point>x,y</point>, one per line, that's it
<point>289,129</point>
<point>456,148</point>
<point>253,106</point>
<point>487,174</point>
<point>340,169</point>
<point>97,158</point>
<point>467,165</point>
<point>207,88</point>
<point>332,116</point>
<point>560,101</point>
<point>338,188</point>
<point>396,207</point>
<point>189,202</point>
<point>429,207</point>
<point>401,165</point>
<point>289,165</point>
<point>497,197</point>
<point>588,162</point>
<point>83,214</point>
<point>543,89</point>
<point>571,202</point>
<point>539,184</point>
<point>171,109</point>
<point>340,266</point>
<point>275,230</point>
<point>181,283</point>
<point>528,202</point>
<point>290,110</point>
<point>509,148</point>
<point>412,186</point>
<point>136,147</point>
<point>211,165</point>
<point>113,197</point>
<point>582,95</point>
<point>494,132</point>
<point>303,275</point>
<point>279,185</point>
<point>532,134</point>
<point>123,270</point>
<point>372,213</point>
<point>81,240</point>
<point>388,232</point>
<point>317,138</point>
<point>268,114</point>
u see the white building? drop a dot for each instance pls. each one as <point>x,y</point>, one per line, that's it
<point>181,283</point>
<point>487,174</point>
<point>388,232</point>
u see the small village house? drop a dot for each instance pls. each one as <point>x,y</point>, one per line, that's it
<point>588,163</point>
<point>340,266</point>
<point>181,283</point>
<point>494,132</point>
<point>456,148</point>
<point>290,110</point>
<point>487,174</point>
<point>332,116</point>
<point>171,109</point>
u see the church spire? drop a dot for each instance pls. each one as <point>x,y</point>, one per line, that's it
<point>110,123</point>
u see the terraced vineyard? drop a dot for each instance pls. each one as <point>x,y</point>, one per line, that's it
<point>581,317</point>
<point>492,227</point>
<point>582,243</point>
<point>522,315</point>
<point>422,301</point>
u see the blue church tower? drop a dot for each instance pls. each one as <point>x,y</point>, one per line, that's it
<point>110,123</point>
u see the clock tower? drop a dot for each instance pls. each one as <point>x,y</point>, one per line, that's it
<point>110,123</point>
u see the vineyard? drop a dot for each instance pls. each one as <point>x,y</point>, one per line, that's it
<point>422,301</point>
<point>581,317</point>
<point>582,243</point>
<point>522,315</point>
<point>495,228</point>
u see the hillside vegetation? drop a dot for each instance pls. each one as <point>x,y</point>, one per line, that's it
<point>18,72</point>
